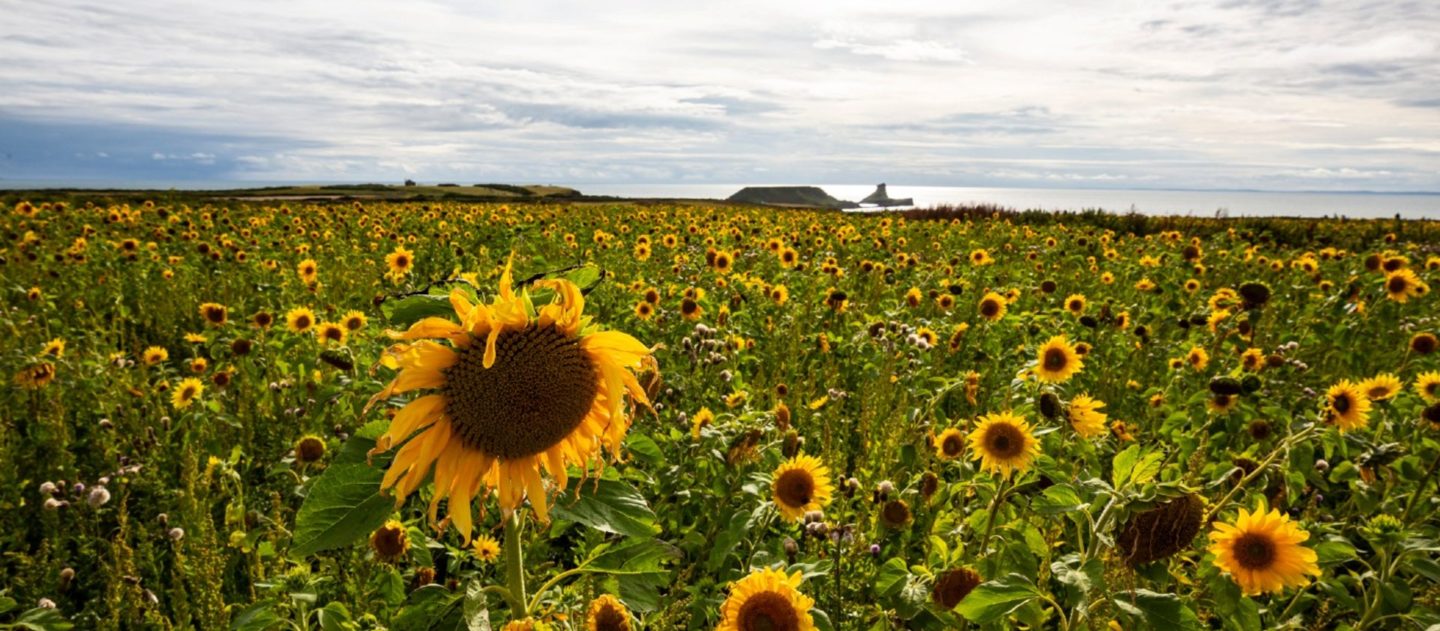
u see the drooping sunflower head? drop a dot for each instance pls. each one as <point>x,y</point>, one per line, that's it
<point>1086,417</point>
<point>517,390</point>
<point>800,485</point>
<point>1262,551</point>
<point>950,444</point>
<point>952,586</point>
<point>767,600</point>
<point>607,613</point>
<point>1003,443</point>
<point>1057,361</point>
<point>1347,405</point>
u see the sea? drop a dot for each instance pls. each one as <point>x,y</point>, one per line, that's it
<point>1198,203</point>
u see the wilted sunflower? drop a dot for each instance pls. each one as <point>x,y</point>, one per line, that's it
<point>518,390</point>
<point>309,448</point>
<point>1057,361</point>
<point>1262,552</point>
<point>1347,405</point>
<point>486,548</point>
<point>300,319</point>
<point>607,613</point>
<point>953,586</point>
<point>390,541</point>
<point>702,419</point>
<point>35,376</point>
<point>186,393</point>
<point>1086,417</point>
<point>767,600</point>
<point>800,485</point>
<point>992,306</point>
<point>1003,443</point>
<point>1381,387</point>
<point>950,444</point>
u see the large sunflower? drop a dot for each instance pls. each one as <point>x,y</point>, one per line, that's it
<point>1003,443</point>
<point>1347,405</point>
<point>1057,361</point>
<point>767,600</point>
<point>1262,552</point>
<point>801,484</point>
<point>517,390</point>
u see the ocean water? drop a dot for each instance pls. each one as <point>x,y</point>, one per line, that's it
<point>1150,202</point>
<point>1147,201</point>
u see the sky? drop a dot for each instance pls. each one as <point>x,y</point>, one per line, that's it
<point>1234,94</point>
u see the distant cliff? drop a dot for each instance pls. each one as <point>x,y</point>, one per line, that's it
<point>791,196</point>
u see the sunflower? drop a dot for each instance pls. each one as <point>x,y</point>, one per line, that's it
<point>262,320</point>
<point>1427,385</point>
<point>1075,304</point>
<point>779,294</point>
<point>1057,361</point>
<point>992,306</point>
<point>399,263</point>
<point>1086,417</point>
<point>767,600</point>
<point>154,355</point>
<point>300,319</point>
<point>309,448</point>
<point>1347,405</point>
<point>35,376</point>
<point>215,314</point>
<point>953,586</point>
<point>1253,359</point>
<point>1424,343</point>
<point>702,419</point>
<point>691,309</point>
<point>186,393</point>
<point>1003,443</point>
<point>606,613</point>
<point>950,444</point>
<point>1402,284</point>
<point>1262,551</point>
<point>331,333</point>
<point>354,320</point>
<point>1197,358</point>
<point>644,310</point>
<point>390,541</point>
<point>801,484</point>
<point>486,548</point>
<point>54,348</point>
<point>1381,386</point>
<point>518,390</point>
<point>308,271</point>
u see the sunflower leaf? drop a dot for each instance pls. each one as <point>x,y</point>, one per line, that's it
<point>611,506</point>
<point>994,599</point>
<point>411,309</point>
<point>343,507</point>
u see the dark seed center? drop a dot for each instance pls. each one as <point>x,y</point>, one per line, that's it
<point>541,386</point>
<point>1004,441</point>
<point>1254,552</point>
<point>768,611</point>
<point>795,487</point>
<point>1054,359</point>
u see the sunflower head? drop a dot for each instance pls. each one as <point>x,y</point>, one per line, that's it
<point>517,390</point>
<point>1347,406</point>
<point>486,548</point>
<point>950,444</point>
<point>1057,361</point>
<point>1161,531</point>
<point>1086,417</point>
<point>800,485</point>
<point>767,600</point>
<point>952,586</point>
<point>1003,443</point>
<point>607,613</point>
<point>992,306</point>
<point>1262,551</point>
<point>309,449</point>
<point>390,541</point>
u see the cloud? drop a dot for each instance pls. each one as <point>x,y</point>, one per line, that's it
<point>1278,93</point>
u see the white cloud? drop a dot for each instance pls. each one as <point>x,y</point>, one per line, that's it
<point>1225,93</point>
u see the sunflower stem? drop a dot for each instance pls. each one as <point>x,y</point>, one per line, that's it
<point>1420,490</point>
<point>515,565</point>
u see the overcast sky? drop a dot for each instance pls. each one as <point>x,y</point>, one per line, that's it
<point>1278,94</point>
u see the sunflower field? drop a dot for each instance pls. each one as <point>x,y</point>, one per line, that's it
<point>452,415</point>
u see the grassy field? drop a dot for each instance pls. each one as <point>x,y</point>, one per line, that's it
<point>532,414</point>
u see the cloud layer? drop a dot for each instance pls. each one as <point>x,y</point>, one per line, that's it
<point>1279,94</point>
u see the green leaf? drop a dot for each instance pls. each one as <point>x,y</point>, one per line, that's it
<point>335,617</point>
<point>994,599</point>
<point>477,608</point>
<point>644,448</point>
<point>257,617</point>
<point>411,309</point>
<point>610,505</point>
<point>1332,551</point>
<point>1060,498</point>
<point>361,442</point>
<point>1123,464</point>
<point>1236,611</point>
<point>342,508</point>
<point>891,577</point>
<point>1147,468</point>
<point>431,608</point>
<point>638,570</point>
<point>43,619</point>
<point>1159,611</point>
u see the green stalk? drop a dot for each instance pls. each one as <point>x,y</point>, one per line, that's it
<point>515,566</point>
